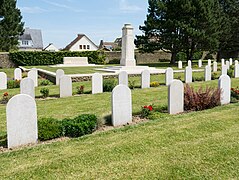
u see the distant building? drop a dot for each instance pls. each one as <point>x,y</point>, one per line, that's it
<point>31,40</point>
<point>51,48</point>
<point>110,46</point>
<point>81,43</point>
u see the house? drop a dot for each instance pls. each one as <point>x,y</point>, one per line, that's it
<point>51,48</point>
<point>31,40</point>
<point>81,43</point>
<point>110,46</point>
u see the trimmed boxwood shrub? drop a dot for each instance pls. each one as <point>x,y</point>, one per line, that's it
<point>108,85</point>
<point>35,58</point>
<point>49,128</point>
<point>79,126</point>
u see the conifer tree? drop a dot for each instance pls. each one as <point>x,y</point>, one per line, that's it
<point>10,26</point>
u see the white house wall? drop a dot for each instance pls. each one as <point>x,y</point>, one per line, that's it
<point>83,41</point>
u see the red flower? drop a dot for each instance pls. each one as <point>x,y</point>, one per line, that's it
<point>145,107</point>
<point>150,108</point>
<point>5,94</point>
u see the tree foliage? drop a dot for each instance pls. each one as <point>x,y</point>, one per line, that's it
<point>10,26</point>
<point>181,26</point>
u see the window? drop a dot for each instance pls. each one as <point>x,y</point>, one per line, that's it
<point>25,43</point>
<point>80,46</point>
<point>84,46</point>
<point>88,46</point>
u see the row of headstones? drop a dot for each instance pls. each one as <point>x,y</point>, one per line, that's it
<point>65,82</point>
<point>122,100</point>
<point>223,62</point>
<point>32,74</point>
<point>22,111</point>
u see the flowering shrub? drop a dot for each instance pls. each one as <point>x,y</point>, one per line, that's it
<point>146,110</point>
<point>154,84</point>
<point>5,98</point>
<point>235,94</point>
<point>80,89</point>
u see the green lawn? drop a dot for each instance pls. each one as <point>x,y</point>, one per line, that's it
<point>196,145</point>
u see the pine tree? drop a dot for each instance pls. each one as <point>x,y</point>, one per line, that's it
<point>181,26</point>
<point>10,26</point>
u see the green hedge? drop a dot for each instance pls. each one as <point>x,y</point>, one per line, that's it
<point>50,128</point>
<point>36,58</point>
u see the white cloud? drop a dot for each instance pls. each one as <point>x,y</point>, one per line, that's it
<point>32,10</point>
<point>128,8</point>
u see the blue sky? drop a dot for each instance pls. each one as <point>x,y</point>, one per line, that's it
<point>61,20</point>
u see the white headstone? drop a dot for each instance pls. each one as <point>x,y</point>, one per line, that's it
<point>236,62</point>
<point>236,71</point>
<point>224,84</point>
<point>224,69</point>
<point>27,87</point>
<point>65,86</point>
<point>145,79</point>
<point>34,76</point>
<point>168,76</point>
<point>180,64</point>
<point>175,97</point>
<point>17,74</point>
<point>59,74</point>
<point>230,61</point>
<point>3,80</point>
<point>123,78</point>
<point>199,63</point>
<point>209,62</point>
<point>228,65</point>
<point>215,66</point>
<point>188,75</point>
<point>127,50</point>
<point>222,61</point>
<point>189,63</point>
<point>207,73</point>
<point>21,121</point>
<point>121,105</point>
<point>97,83</point>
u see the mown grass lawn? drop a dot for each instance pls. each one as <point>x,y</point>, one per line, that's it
<point>196,145</point>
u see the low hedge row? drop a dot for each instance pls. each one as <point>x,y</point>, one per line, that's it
<point>50,128</point>
<point>35,58</point>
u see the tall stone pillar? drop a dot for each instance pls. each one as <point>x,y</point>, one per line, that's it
<point>127,48</point>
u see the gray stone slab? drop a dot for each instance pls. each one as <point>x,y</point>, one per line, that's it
<point>145,79</point>
<point>59,74</point>
<point>188,75</point>
<point>175,97</point>
<point>123,78</point>
<point>168,76</point>
<point>121,101</point>
<point>97,83</point>
<point>189,63</point>
<point>3,80</point>
<point>34,76</point>
<point>222,61</point>
<point>65,86</point>
<point>230,61</point>
<point>228,65</point>
<point>18,74</point>
<point>224,84</point>
<point>209,62</point>
<point>236,62</point>
<point>27,87</point>
<point>207,73</point>
<point>21,121</point>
